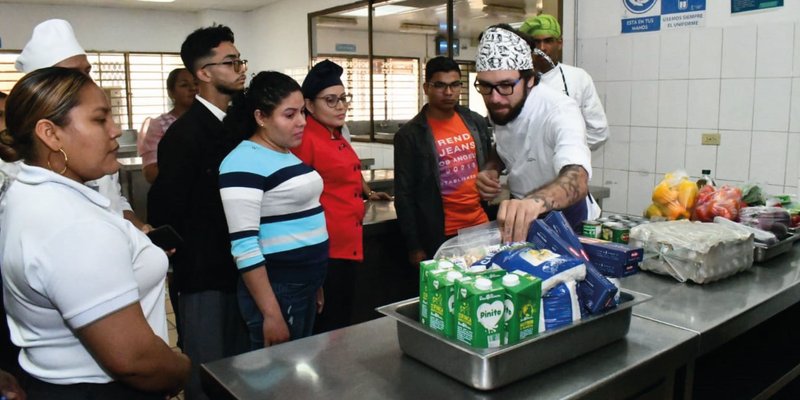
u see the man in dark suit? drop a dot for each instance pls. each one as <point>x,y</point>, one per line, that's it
<point>186,196</point>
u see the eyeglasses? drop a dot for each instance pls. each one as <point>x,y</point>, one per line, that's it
<point>333,100</point>
<point>442,86</point>
<point>503,89</point>
<point>237,64</point>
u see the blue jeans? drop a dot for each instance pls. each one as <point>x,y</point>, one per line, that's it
<point>298,302</point>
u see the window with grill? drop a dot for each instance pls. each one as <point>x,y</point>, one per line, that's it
<point>396,91</point>
<point>134,82</point>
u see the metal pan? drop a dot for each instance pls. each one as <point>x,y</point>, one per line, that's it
<point>487,369</point>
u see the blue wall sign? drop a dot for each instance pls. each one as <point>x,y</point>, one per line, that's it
<point>346,47</point>
<point>649,16</point>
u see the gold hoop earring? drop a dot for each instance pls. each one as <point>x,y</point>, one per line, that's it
<point>66,159</point>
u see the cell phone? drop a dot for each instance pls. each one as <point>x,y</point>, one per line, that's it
<point>165,237</point>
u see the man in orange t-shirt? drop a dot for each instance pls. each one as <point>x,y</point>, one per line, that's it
<point>437,157</point>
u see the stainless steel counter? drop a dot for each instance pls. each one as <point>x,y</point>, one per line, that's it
<point>721,310</point>
<point>365,361</point>
<point>668,333</point>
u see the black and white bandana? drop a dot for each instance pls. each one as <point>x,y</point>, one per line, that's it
<point>501,50</point>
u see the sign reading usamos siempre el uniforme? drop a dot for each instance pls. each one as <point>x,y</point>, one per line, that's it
<point>656,15</point>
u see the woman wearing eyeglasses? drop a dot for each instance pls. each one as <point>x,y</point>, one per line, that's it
<point>325,150</point>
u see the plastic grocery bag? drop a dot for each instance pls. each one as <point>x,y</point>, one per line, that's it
<point>471,244</point>
<point>693,251</point>
<point>725,201</point>
<point>673,197</point>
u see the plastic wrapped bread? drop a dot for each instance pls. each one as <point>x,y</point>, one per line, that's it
<point>693,251</point>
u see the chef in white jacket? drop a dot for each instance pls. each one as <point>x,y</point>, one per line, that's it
<point>572,81</point>
<point>53,44</point>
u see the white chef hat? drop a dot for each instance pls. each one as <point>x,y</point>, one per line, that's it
<point>501,49</point>
<point>52,41</point>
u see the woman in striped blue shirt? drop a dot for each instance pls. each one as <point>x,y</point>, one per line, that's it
<point>275,220</point>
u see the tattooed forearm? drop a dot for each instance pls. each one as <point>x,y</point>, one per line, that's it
<point>570,186</point>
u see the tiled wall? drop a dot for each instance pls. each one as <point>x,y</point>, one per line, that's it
<point>663,90</point>
<point>382,153</point>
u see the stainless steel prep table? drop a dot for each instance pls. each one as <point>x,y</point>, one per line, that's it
<point>721,310</point>
<point>365,361</point>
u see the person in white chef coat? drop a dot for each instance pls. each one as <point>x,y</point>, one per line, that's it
<point>572,81</point>
<point>53,44</point>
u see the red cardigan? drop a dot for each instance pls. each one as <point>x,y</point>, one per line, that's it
<point>336,161</point>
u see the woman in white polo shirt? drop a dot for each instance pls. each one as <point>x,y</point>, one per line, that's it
<point>84,289</point>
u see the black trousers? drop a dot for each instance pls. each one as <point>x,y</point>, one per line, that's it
<point>339,288</point>
<point>36,389</point>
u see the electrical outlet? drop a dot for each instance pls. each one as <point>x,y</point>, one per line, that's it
<point>710,139</point>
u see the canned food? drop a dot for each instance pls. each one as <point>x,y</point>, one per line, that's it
<point>592,229</point>
<point>616,232</point>
<point>616,217</point>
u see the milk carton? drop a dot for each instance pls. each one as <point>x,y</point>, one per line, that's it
<point>425,268</point>
<point>479,313</point>
<point>441,301</point>
<point>522,301</point>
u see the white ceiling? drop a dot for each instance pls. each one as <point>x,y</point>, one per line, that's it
<point>177,5</point>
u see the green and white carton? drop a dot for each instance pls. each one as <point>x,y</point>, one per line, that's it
<point>479,313</point>
<point>523,296</point>
<point>425,268</point>
<point>441,284</point>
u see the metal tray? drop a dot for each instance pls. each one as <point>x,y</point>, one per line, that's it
<point>487,369</point>
<point>763,252</point>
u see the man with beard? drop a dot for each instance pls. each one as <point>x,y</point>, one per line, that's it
<point>574,82</point>
<point>437,156</point>
<point>540,138</point>
<point>186,195</point>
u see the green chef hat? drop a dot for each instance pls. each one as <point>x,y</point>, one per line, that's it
<point>543,24</point>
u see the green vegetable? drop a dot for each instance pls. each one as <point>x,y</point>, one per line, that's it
<point>752,195</point>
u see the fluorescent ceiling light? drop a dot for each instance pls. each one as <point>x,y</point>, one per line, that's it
<point>419,28</point>
<point>158,1</point>
<point>503,11</point>
<point>336,21</point>
<point>380,11</point>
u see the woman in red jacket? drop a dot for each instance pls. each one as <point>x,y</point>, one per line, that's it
<point>324,149</point>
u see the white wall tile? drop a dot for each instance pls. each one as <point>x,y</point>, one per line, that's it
<point>774,50</point>
<point>796,49</point>
<point>674,54</point>
<point>597,176</point>
<point>670,150</point>
<point>792,162</point>
<point>672,103</point>
<point>736,104</point>
<point>733,155</point>
<point>640,192</point>
<point>772,189</point>
<point>643,149</point>
<point>794,113</point>
<point>645,56</point>
<point>739,51</point>
<point>618,103</point>
<point>592,57</point>
<point>698,157</point>
<point>705,58</point>
<point>703,110</point>
<point>617,182</point>
<point>618,58</point>
<point>768,157</point>
<point>598,155</point>
<point>600,87</point>
<point>617,148</point>
<point>388,159</point>
<point>644,103</point>
<point>771,104</point>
